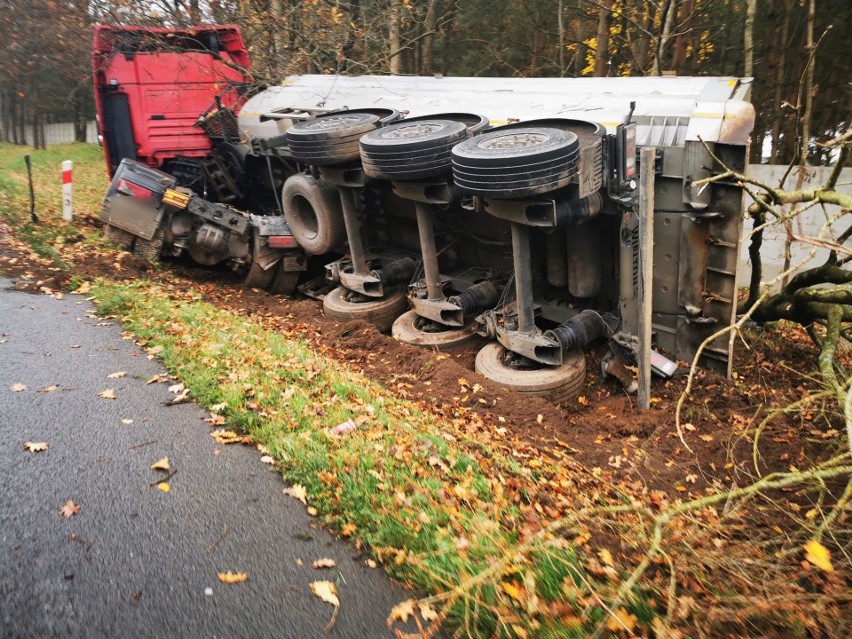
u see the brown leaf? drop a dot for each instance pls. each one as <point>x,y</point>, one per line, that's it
<point>18,388</point>
<point>35,447</point>
<point>107,394</point>
<point>621,620</point>
<point>117,375</point>
<point>49,389</point>
<point>233,577</point>
<point>69,509</point>
<point>325,562</point>
<point>297,491</point>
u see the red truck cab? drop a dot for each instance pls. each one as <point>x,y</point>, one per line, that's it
<point>152,84</point>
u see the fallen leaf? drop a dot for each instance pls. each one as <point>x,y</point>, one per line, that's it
<point>225,436</point>
<point>325,562</point>
<point>401,612</point>
<point>176,388</point>
<point>107,394</point>
<point>49,389</point>
<point>17,388</point>
<point>154,350</point>
<point>266,459</point>
<point>126,422</point>
<point>233,577</point>
<point>326,591</point>
<point>348,529</point>
<point>691,478</point>
<point>818,555</point>
<point>152,379</point>
<point>370,563</point>
<point>74,346</point>
<point>35,447</point>
<point>217,407</point>
<point>621,620</point>
<point>117,375</point>
<point>163,464</point>
<point>427,612</point>
<point>298,492</point>
<point>606,556</point>
<point>164,487</point>
<point>312,511</point>
<point>69,509</point>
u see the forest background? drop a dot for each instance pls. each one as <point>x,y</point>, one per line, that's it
<point>45,70</point>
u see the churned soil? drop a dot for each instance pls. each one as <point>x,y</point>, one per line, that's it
<point>602,430</point>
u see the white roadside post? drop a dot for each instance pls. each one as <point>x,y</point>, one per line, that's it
<point>67,208</point>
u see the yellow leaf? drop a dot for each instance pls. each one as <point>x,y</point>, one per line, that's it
<point>297,491</point>
<point>118,375</point>
<point>107,394</point>
<point>606,557</point>
<point>163,464</point>
<point>427,612</point>
<point>312,511</point>
<point>232,577</point>
<point>152,379</point>
<point>326,591</point>
<point>35,447</point>
<point>164,487</point>
<point>69,509</point>
<point>49,389</point>
<point>818,555</point>
<point>512,590</point>
<point>348,529</point>
<point>401,612</point>
<point>621,620</point>
<point>325,562</point>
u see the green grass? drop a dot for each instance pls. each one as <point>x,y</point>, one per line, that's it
<point>48,235</point>
<point>431,507</point>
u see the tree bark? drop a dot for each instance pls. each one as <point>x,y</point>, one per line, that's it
<point>665,36</point>
<point>394,39</point>
<point>430,23</point>
<point>602,39</point>
<point>778,118</point>
<point>685,13</point>
<point>748,38</point>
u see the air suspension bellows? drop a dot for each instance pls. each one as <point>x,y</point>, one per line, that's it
<point>397,272</point>
<point>579,331</point>
<point>476,298</point>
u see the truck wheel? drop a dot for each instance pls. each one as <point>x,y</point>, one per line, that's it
<point>121,238</point>
<point>150,249</point>
<point>410,328</point>
<point>312,209</point>
<point>284,282</point>
<point>330,139</point>
<point>257,276</point>
<point>379,312</point>
<point>516,162</point>
<point>411,150</point>
<point>556,383</point>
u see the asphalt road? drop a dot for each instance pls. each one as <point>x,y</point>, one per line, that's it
<point>135,561</point>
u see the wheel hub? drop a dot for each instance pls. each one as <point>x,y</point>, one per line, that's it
<point>514,141</point>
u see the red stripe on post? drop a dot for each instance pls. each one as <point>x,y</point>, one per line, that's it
<point>66,177</point>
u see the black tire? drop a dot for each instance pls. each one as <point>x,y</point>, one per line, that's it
<point>121,238</point>
<point>257,276</point>
<point>487,165</point>
<point>556,383</point>
<point>284,282</point>
<point>150,249</point>
<point>411,150</point>
<point>410,328</point>
<point>333,126</point>
<point>381,312</point>
<point>312,209</point>
<point>505,146</point>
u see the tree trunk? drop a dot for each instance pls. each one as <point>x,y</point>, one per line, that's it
<point>560,45</point>
<point>394,40</point>
<point>665,36</point>
<point>580,56</point>
<point>779,85</point>
<point>748,38</point>
<point>685,13</point>
<point>194,13</point>
<point>430,23</point>
<point>602,39</point>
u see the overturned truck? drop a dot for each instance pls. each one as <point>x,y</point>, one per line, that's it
<point>438,208</point>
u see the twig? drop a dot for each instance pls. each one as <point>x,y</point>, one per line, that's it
<point>164,479</point>
<point>218,541</point>
<point>153,441</point>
